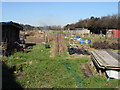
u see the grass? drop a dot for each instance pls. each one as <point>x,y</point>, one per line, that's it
<point>42,71</point>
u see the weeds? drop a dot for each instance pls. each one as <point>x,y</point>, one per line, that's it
<point>105,45</point>
<point>39,70</point>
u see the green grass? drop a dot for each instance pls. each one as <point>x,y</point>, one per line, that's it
<point>42,71</point>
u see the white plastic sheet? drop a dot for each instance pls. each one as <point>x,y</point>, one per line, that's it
<point>113,74</point>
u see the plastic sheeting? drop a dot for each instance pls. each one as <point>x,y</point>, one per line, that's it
<point>113,74</point>
<point>8,22</point>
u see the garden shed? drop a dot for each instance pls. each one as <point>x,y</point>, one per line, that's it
<point>10,37</point>
<point>113,33</point>
<point>116,33</point>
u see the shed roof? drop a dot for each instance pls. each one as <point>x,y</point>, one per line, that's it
<point>12,24</point>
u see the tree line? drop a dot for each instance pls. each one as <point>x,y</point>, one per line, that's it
<point>29,27</point>
<point>96,24</point>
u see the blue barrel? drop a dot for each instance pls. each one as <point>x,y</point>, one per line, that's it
<point>77,36</point>
<point>82,41</point>
<point>88,41</point>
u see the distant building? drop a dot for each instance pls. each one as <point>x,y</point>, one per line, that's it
<point>82,31</point>
<point>113,33</point>
<point>78,28</point>
<point>45,28</point>
<point>116,33</point>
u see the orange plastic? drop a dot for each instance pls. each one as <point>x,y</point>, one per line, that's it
<point>116,33</point>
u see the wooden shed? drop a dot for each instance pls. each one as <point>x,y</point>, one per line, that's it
<point>10,36</point>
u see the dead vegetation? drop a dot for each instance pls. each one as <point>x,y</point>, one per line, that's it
<point>35,36</point>
<point>59,46</point>
<point>38,36</point>
<point>105,45</point>
<point>87,71</point>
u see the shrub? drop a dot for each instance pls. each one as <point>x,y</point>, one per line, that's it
<point>115,46</point>
<point>105,45</point>
<point>100,45</point>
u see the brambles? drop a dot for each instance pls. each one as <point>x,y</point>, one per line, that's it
<point>100,45</point>
<point>105,45</point>
<point>115,46</point>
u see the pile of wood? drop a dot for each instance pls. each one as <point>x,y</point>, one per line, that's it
<point>106,61</point>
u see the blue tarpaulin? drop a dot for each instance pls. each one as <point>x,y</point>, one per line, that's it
<point>8,22</point>
<point>82,41</point>
<point>77,36</point>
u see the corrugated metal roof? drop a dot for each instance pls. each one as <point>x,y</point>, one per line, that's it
<point>105,60</point>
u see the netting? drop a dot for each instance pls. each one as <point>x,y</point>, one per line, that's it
<point>73,72</point>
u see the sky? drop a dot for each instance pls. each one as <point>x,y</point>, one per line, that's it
<point>55,13</point>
